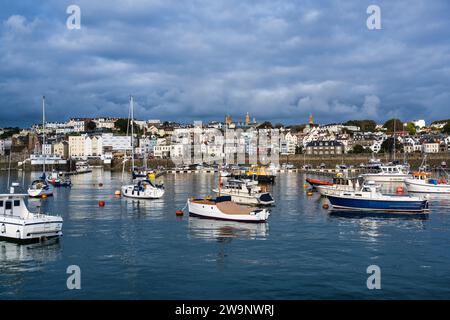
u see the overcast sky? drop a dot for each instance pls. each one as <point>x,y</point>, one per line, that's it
<point>201,59</point>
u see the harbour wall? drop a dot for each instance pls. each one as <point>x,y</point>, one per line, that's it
<point>298,160</point>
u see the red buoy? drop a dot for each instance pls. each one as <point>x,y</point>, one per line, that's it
<point>400,190</point>
<point>101,203</point>
<point>179,212</point>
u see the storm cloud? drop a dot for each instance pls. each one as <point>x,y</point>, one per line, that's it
<point>200,59</point>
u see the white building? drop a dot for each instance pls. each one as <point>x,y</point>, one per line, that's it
<point>77,124</point>
<point>430,147</point>
<point>116,143</point>
<point>161,151</point>
<point>47,149</point>
<point>419,123</point>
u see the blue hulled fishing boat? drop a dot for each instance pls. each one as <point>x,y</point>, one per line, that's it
<point>370,198</point>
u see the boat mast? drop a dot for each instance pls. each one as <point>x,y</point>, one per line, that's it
<point>395,138</point>
<point>132,133</point>
<point>43,132</point>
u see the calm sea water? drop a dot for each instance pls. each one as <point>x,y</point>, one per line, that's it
<point>133,249</point>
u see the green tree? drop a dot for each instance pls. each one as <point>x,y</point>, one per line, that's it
<point>91,125</point>
<point>121,125</point>
<point>393,125</point>
<point>411,128</point>
<point>388,146</point>
<point>446,128</point>
<point>364,125</point>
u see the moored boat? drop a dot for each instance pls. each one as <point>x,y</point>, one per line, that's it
<point>422,182</point>
<point>143,189</point>
<point>58,180</point>
<point>20,225</point>
<point>246,192</point>
<point>388,173</point>
<point>340,184</point>
<point>316,182</point>
<point>223,208</point>
<point>370,198</point>
<point>40,188</point>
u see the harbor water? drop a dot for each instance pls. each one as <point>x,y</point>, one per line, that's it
<point>139,249</point>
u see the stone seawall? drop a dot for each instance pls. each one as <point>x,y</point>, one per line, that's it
<point>298,160</point>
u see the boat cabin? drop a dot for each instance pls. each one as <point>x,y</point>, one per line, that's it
<point>13,205</point>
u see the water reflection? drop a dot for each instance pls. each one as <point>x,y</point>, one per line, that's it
<point>28,257</point>
<point>226,230</point>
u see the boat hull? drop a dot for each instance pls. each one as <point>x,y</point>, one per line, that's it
<point>420,186</point>
<point>37,193</point>
<point>385,178</point>
<point>213,212</point>
<point>22,231</point>
<point>345,203</point>
<point>150,193</point>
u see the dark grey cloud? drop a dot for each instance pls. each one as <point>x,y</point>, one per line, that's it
<point>190,60</point>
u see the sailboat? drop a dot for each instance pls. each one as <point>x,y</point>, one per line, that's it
<point>40,187</point>
<point>142,189</point>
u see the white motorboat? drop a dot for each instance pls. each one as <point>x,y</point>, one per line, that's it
<point>142,189</point>
<point>222,208</point>
<point>388,173</point>
<point>246,192</point>
<point>82,167</point>
<point>340,184</point>
<point>421,182</point>
<point>19,225</point>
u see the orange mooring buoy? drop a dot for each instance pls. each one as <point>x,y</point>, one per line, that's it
<point>101,203</point>
<point>179,212</point>
<point>325,206</point>
<point>44,196</point>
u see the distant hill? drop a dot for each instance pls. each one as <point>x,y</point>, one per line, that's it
<point>440,121</point>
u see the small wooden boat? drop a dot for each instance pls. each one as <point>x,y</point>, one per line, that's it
<point>222,208</point>
<point>370,198</point>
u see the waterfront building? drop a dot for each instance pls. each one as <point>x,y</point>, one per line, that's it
<point>76,146</point>
<point>324,148</point>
